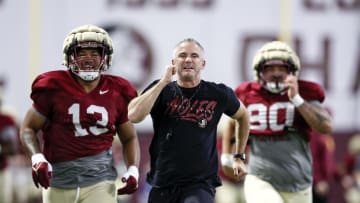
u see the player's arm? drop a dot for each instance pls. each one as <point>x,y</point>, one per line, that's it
<point>227,146</point>
<point>131,153</point>
<point>314,114</point>
<point>31,124</point>
<point>228,136</point>
<point>241,133</point>
<point>241,130</point>
<point>129,140</point>
<point>141,106</point>
<point>41,168</point>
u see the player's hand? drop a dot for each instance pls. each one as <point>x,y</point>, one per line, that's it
<point>130,178</point>
<point>232,170</point>
<point>41,170</point>
<point>240,169</point>
<point>291,83</point>
<point>229,172</point>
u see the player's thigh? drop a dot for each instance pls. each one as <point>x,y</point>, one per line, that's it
<point>225,193</point>
<point>5,186</point>
<point>230,193</point>
<point>303,196</point>
<point>100,192</point>
<point>257,190</point>
<point>59,195</point>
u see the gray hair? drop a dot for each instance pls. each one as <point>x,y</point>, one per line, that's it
<point>190,40</point>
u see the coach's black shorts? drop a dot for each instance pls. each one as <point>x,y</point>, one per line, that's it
<point>194,193</point>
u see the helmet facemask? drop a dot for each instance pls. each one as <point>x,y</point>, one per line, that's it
<point>275,53</point>
<point>274,81</point>
<point>88,68</point>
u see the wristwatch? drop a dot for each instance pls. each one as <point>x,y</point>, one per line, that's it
<point>242,156</point>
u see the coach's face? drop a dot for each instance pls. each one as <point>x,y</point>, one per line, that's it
<point>189,61</point>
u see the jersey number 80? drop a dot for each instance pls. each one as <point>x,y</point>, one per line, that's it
<point>274,117</point>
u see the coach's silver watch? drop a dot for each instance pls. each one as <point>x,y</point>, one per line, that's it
<point>242,156</point>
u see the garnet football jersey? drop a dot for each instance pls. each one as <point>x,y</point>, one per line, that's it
<point>78,123</point>
<point>8,131</point>
<point>279,147</point>
<point>272,114</point>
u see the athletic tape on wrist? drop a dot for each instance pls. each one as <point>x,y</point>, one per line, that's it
<point>226,160</point>
<point>37,158</point>
<point>297,100</point>
<point>133,171</point>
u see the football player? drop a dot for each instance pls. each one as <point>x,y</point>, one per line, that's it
<point>282,110</point>
<point>8,147</point>
<point>78,112</point>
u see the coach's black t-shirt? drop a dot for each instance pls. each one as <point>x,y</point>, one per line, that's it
<point>183,149</point>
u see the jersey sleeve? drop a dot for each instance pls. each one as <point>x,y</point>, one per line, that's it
<point>8,128</point>
<point>311,91</point>
<point>242,89</point>
<point>41,93</point>
<point>127,92</point>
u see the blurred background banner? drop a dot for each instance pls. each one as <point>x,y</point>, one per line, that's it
<point>325,34</point>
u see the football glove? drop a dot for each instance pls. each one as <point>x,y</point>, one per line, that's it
<point>41,170</point>
<point>130,178</point>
